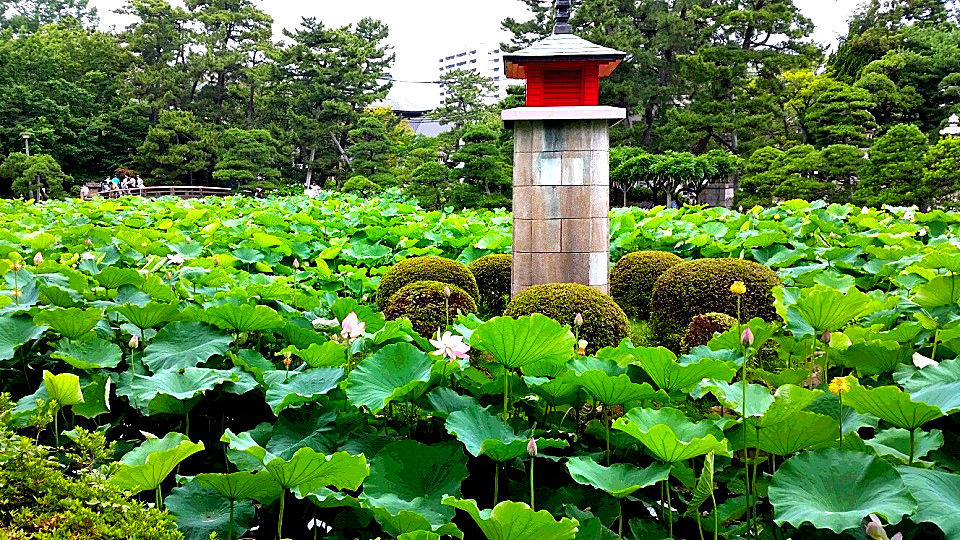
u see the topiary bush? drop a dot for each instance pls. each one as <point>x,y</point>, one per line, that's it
<point>702,328</point>
<point>604,323</point>
<point>424,304</point>
<point>703,286</point>
<point>493,275</point>
<point>633,277</point>
<point>425,269</point>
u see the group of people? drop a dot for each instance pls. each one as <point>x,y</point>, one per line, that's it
<point>117,184</point>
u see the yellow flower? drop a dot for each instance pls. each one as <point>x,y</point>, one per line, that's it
<point>839,385</point>
<point>738,288</point>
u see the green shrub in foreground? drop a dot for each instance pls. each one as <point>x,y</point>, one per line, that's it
<point>604,323</point>
<point>425,269</point>
<point>493,275</point>
<point>703,286</point>
<point>423,303</point>
<point>42,499</point>
<point>633,277</point>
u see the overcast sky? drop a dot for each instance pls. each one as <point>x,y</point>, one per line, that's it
<point>423,30</point>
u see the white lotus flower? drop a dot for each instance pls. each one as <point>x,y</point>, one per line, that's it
<point>176,259</point>
<point>351,326</point>
<point>450,346</point>
<point>922,361</point>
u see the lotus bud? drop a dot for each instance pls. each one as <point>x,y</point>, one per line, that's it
<point>746,338</point>
<point>88,242</point>
<point>296,263</point>
<point>216,260</point>
<point>532,447</point>
<point>578,320</point>
<point>38,259</point>
<point>447,292</point>
<point>134,342</point>
<point>825,337</point>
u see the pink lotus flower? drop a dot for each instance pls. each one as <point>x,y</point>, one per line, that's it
<point>450,346</point>
<point>38,258</point>
<point>351,327</point>
<point>134,342</point>
<point>578,320</point>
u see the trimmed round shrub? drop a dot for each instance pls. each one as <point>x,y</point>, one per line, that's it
<point>633,277</point>
<point>493,275</point>
<point>703,286</point>
<point>425,269</point>
<point>361,185</point>
<point>703,327</point>
<point>423,303</point>
<point>604,323</point>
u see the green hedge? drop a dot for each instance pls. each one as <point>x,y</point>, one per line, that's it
<point>425,269</point>
<point>703,286</point>
<point>424,304</point>
<point>703,327</point>
<point>604,323</point>
<point>493,274</point>
<point>633,277</point>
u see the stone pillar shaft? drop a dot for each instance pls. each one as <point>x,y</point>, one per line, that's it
<point>561,202</point>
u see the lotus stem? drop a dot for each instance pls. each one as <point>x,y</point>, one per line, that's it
<point>283,494</point>
<point>840,421</point>
<point>532,459</point>
<point>619,519</point>
<point>506,393</point>
<point>606,423</point>
<point>936,340</point>
<point>56,431</point>
<point>716,517</point>
<point>159,498</point>
<point>666,485</point>
<point>496,482</point>
<point>912,435</point>
<point>230,530</point>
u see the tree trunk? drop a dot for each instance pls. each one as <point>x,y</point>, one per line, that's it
<point>313,155</point>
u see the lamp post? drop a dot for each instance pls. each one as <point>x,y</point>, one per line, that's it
<point>26,141</point>
<point>953,127</point>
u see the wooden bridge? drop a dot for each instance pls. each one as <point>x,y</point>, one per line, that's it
<point>184,192</point>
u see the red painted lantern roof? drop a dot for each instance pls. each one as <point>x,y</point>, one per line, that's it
<point>562,48</point>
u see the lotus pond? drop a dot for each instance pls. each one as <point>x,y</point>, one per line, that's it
<point>231,352</point>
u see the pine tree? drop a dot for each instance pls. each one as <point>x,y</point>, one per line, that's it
<point>895,172</point>
<point>175,150</point>
<point>486,181</point>
<point>371,150</point>
<point>247,155</point>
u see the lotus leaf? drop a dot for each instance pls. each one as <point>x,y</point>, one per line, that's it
<point>184,344</point>
<point>71,323</point>
<point>396,372</point>
<point>515,343</point>
<point>516,521</point>
<point>619,480</point>
<point>146,466</point>
<point>938,497</point>
<point>89,353</point>
<point>670,436</point>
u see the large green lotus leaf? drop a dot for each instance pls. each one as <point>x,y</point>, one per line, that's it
<point>562,390</point>
<point>483,433</point>
<point>515,343</point>
<point>412,476</point>
<point>729,341</point>
<point>63,388</point>
<point>895,442</point>
<point>259,486</point>
<point>874,357</point>
<point>619,480</point>
<point>516,521</point>
<point>617,390</point>
<point>936,385</point>
<point>201,511</point>
<point>890,403</point>
<point>112,277</point>
<point>329,354</point>
<point>327,498</point>
<point>295,389</point>
<point>150,315</point>
<point>821,308</point>
<point>243,318</point>
<point>939,291</point>
<point>89,353</point>
<point>410,524</point>
<point>791,433</point>
<point>16,331</point>
<point>787,400</point>
<point>172,392</point>
<point>938,497</point>
<point>396,372</point>
<point>836,490</point>
<point>184,344</point>
<point>663,369</point>
<point>310,470</point>
<point>758,398</point>
<point>607,364</point>
<point>71,323</point>
<point>704,486</point>
<point>96,397</point>
<point>443,401</point>
<point>949,261</point>
<point>145,467</point>
<point>670,436</point>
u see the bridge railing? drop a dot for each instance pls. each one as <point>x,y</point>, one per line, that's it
<point>184,192</point>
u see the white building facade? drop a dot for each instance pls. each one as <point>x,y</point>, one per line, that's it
<point>485,59</point>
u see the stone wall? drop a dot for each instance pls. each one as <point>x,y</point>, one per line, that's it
<point>561,203</point>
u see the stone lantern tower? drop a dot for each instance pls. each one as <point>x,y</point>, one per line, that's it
<point>561,181</point>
